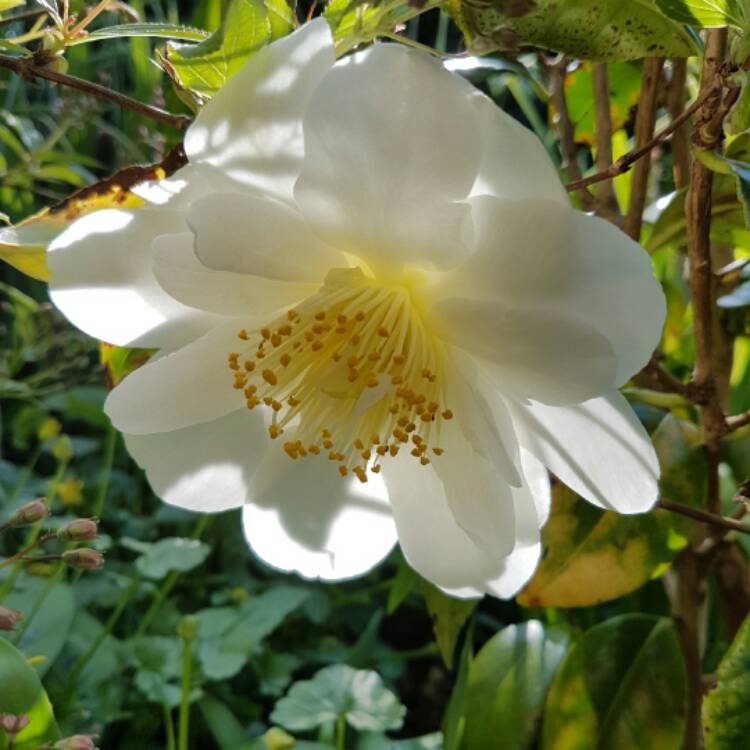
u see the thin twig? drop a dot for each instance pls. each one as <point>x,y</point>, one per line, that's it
<point>565,129</point>
<point>626,160</point>
<point>736,421</point>
<point>713,519</point>
<point>645,122</point>
<point>675,107</point>
<point>26,68</point>
<point>605,200</point>
<point>661,380</point>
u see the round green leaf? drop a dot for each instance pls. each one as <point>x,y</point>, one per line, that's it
<point>507,685</point>
<point>726,719</point>
<point>621,686</point>
<point>356,694</point>
<point>21,692</point>
<point>173,553</point>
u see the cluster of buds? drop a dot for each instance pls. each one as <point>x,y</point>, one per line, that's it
<point>13,724</point>
<point>78,530</point>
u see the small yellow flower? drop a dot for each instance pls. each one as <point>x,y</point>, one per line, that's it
<point>48,429</point>
<point>70,492</point>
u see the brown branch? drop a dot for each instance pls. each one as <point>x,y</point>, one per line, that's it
<point>655,377</point>
<point>624,163</point>
<point>675,107</point>
<point>605,200</point>
<point>703,516</point>
<point>692,565</point>
<point>565,128</point>
<point>27,67</point>
<point>645,122</point>
<point>736,421</point>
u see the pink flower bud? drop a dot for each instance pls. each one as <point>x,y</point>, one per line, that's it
<point>12,724</point>
<point>8,620</point>
<point>80,530</point>
<point>84,558</point>
<point>31,512</point>
<point>77,742</point>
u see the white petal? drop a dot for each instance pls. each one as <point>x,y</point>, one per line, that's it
<point>514,162</point>
<point>184,186</point>
<point>205,467</point>
<point>258,235</point>
<point>103,283</point>
<point>540,255</point>
<point>187,280</point>
<point>442,552</point>
<point>189,386</point>
<point>532,353</point>
<point>252,128</point>
<point>391,143</point>
<point>599,449</point>
<point>304,517</point>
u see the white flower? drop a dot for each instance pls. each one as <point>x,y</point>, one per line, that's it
<point>362,259</point>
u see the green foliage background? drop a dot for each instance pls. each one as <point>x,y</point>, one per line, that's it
<point>587,657</point>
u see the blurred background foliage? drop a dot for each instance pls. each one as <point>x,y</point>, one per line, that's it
<point>182,621</point>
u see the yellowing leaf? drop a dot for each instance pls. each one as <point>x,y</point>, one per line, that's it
<point>592,556</point>
<point>24,245</point>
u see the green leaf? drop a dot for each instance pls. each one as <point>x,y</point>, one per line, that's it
<point>229,636</point>
<point>586,29</point>
<point>448,617</point>
<point>21,692</point>
<point>704,13</point>
<point>205,67</point>
<point>340,691</point>
<point>223,724</point>
<point>507,686</point>
<point>726,720</point>
<point>157,30</point>
<point>166,555</point>
<point>47,632</point>
<point>8,4</point>
<point>592,556</point>
<point>621,686</point>
<point>352,18</point>
<point>372,741</point>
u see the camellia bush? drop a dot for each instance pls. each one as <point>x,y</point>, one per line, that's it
<point>375,375</point>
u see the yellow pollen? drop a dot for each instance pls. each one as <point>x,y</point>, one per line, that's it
<point>389,382</point>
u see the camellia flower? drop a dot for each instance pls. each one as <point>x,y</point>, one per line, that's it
<point>378,318</point>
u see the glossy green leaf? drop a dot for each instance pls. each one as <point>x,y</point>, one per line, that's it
<point>340,691</point>
<point>448,617</point>
<point>155,30</point>
<point>204,68</point>
<point>507,685</point>
<point>352,18</point>
<point>621,686</point>
<point>726,719</point>
<point>586,29</point>
<point>705,13</point>
<point>21,692</point>
<point>47,632</point>
<point>592,556</point>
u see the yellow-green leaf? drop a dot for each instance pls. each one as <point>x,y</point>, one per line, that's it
<point>592,556</point>
<point>448,617</point>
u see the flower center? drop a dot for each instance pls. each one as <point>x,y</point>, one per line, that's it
<point>352,371</point>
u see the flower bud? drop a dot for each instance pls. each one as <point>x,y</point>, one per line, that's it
<point>62,450</point>
<point>31,512</point>
<point>80,530</point>
<point>187,628</point>
<point>8,620</point>
<point>77,742</point>
<point>48,429</point>
<point>278,739</point>
<point>83,558</point>
<point>12,724</point>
